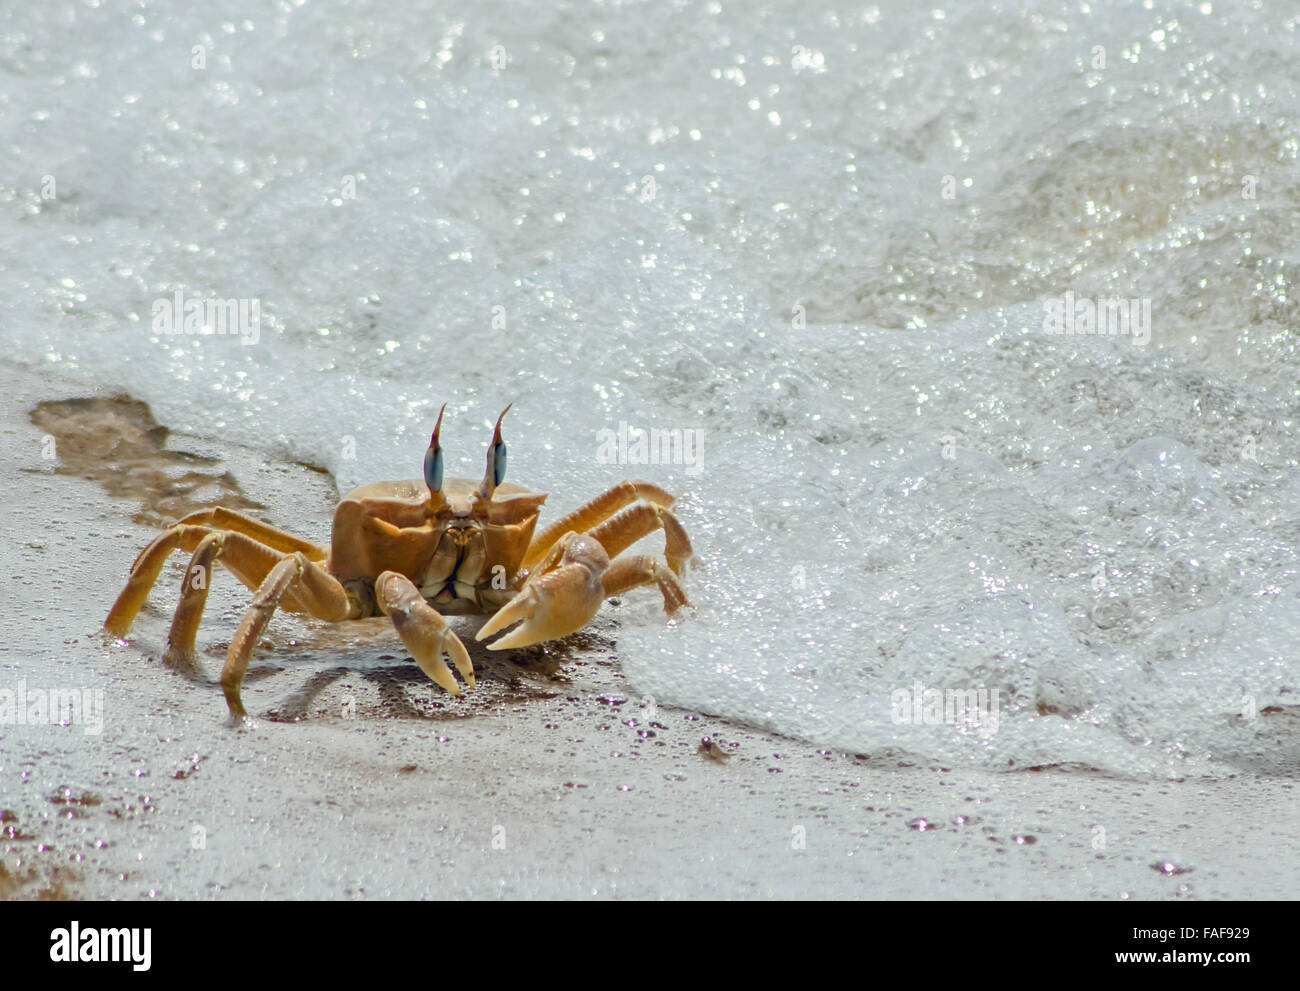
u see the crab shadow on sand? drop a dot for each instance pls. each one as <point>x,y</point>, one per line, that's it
<point>379,680</point>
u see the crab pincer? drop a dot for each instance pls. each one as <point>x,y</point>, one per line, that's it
<point>554,603</point>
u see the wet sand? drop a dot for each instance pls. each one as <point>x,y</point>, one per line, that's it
<point>359,778</point>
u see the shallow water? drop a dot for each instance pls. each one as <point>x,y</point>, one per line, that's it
<point>824,238</point>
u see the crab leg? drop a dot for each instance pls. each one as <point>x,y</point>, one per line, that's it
<point>315,588</point>
<point>593,513</point>
<point>194,596</point>
<point>250,630</point>
<point>555,602</point>
<point>144,572</point>
<point>621,531</point>
<point>221,518</point>
<point>632,572</point>
<point>251,562</point>
<point>251,566</point>
<point>424,631</point>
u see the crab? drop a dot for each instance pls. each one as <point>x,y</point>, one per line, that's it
<point>417,552</point>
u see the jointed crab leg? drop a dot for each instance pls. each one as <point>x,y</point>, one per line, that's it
<point>250,630</point>
<point>220,518</point>
<point>593,513</point>
<point>317,592</point>
<point>424,631</point>
<point>248,559</point>
<point>312,586</point>
<point>194,595</point>
<point>621,531</point>
<point>276,576</point>
<point>632,572</point>
<point>144,572</point>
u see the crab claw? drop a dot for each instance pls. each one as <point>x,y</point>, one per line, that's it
<point>556,603</point>
<point>428,654</point>
<point>424,631</point>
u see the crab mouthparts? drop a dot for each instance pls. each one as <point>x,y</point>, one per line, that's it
<point>462,534</point>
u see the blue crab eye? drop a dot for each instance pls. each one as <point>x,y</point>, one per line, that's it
<point>433,469</point>
<point>498,462</point>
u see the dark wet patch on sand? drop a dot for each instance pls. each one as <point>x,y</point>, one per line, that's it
<point>116,441</point>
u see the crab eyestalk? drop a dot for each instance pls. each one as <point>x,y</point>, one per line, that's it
<point>496,461</point>
<point>433,461</point>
